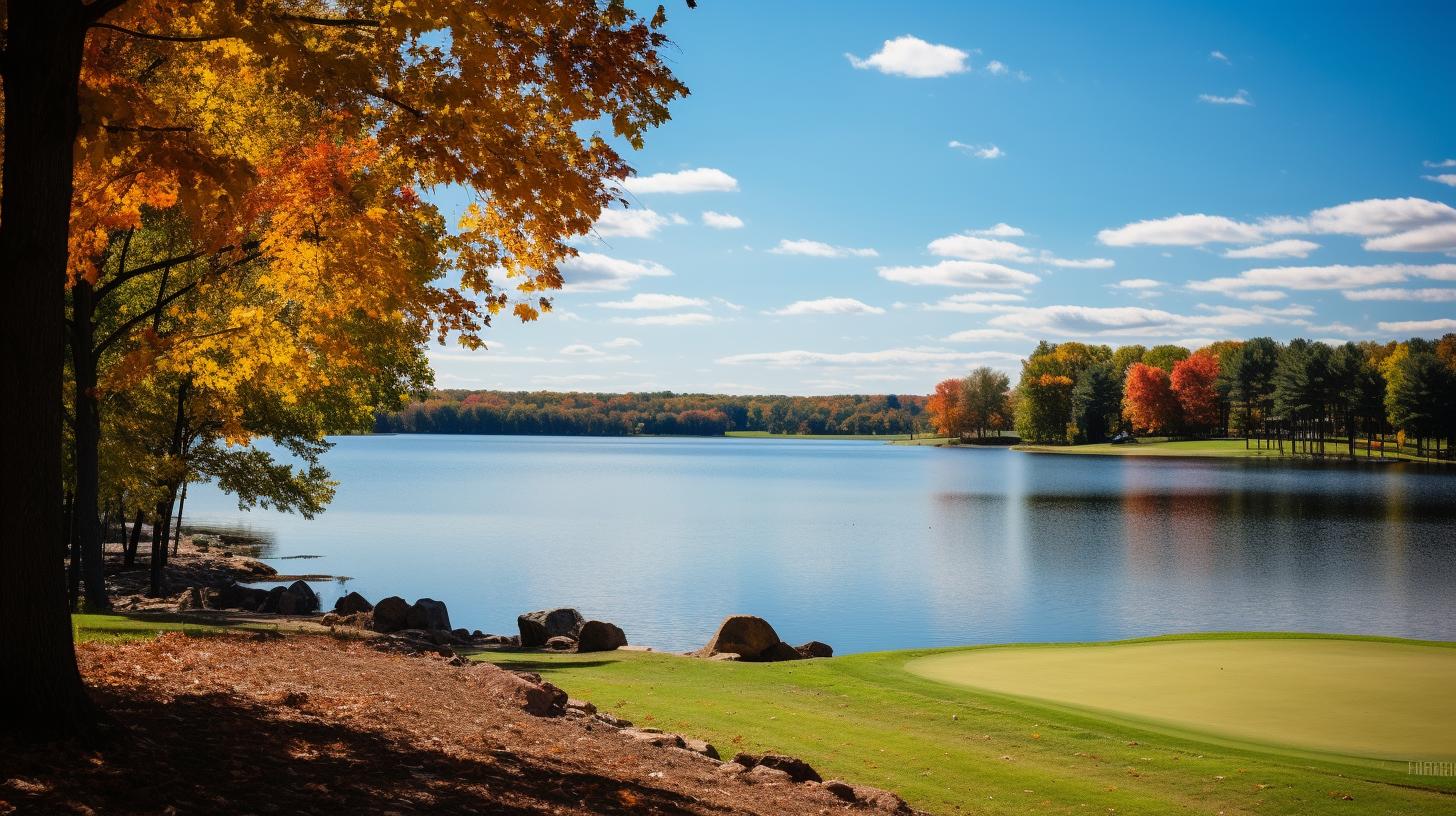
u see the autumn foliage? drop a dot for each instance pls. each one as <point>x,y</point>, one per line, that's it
<point>945,407</point>
<point>1148,402</point>
<point>1194,382</point>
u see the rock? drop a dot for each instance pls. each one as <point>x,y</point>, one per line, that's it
<point>236,596</point>
<point>461,634</point>
<point>358,620</point>
<point>297,598</point>
<point>615,722</point>
<point>815,649</point>
<point>778,652</point>
<point>797,769</point>
<point>600,636</point>
<point>271,599</point>
<point>881,800</point>
<point>352,603</point>
<point>703,747</point>
<point>539,627</point>
<point>581,705</point>
<point>766,775</point>
<point>391,614</point>
<point>428,613</point>
<point>748,636</point>
<point>561,643</point>
<point>839,789</point>
<point>730,656</point>
<point>193,598</point>
<point>539,699</point>
<point>731,768</point>
<point>652,736</point>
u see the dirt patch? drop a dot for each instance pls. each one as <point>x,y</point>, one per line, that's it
<point>319,726</point>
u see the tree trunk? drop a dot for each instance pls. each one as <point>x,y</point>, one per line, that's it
<point>181,504</point>
<point>40,687</point>
<point>88,444</point>
<point>129,557</point>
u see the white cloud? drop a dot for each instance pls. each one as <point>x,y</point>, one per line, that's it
<point>1422,295</point>
<point>1420,326</point>
<point>1001,230</point>
<point>594,272</point>
<point>646,301</point>
<point>630,223</point>
<point>1139,283</point>
<point>986,151</point>
<point>722,221</point>
<point>969,247</point>
<point>622,342</point>
<point>685,319</point>
<point>819,249</point>
<point>727,304</point>
<point>1076,263</point>
<point>1257,295</point>
<point>568,378</point>
<point>968,274</point>
<point>913,57</point>
<point>1287,248</point>
<point>1220,57</point>
<point>826,306</point>
<point>580,350</point>
<point>1441,163</point>
<point>698,180</point>
<point>1130,321</point>
<point>1380,216</point>
<point>985,335</point>
<point>1435,238</point>
<point>1240,98</point>
<point>895,356</point>
<point>1182,230</point>
<point>1448,179</point>
<point>974,302</point>
<point>1337,276</point>
<point>997,68</point>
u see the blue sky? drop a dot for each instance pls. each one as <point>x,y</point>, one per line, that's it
<point>869,197</point>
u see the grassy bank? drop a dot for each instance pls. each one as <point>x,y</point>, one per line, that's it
<point>1219,448</point>
<point>860,437</point>
<point>952,748</point>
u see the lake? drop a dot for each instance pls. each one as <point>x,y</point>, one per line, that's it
<point>869,546</point>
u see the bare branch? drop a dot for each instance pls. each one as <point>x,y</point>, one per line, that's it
<point>184,38</point>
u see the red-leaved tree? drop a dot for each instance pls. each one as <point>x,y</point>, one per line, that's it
<point>1193,384</point>
<point>945,408</point>
<point>1148,402</point>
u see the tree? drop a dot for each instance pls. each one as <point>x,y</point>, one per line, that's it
<point>1422,397</point>
<point>1247,377</point>
<point>983,400</point>
<point>1303,389</point>
<point>1194,383</point>
<point>1097,401</point>
<point>1124,357</point>
<point>945,406</point>
<point>1165,357</point>
<point>450,113</point>
<point>1148,402</point>
<point>1044,408</point>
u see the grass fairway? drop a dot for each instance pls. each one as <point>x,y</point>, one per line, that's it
<point>1218,448</point>
<point>955,749</point>
<point>1360,698</point>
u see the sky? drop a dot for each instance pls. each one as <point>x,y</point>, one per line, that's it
<point>871,197</point>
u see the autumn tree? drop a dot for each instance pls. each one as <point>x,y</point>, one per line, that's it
<point>1148,402</point>
<point>500,100</point>
<point>1165,356</point>
<point>946,410</point>
<point>1097,402</point>
<point>983,400</point>
<point>1194,382</point>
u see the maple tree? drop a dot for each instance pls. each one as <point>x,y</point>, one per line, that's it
<point>1194,382</point>
<point>1148,402</point>
<point>115,107</point>
<point>946,412</point>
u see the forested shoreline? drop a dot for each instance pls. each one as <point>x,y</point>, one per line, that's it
<point>547,413</point>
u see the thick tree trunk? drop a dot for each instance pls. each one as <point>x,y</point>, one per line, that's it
<point>177,525</point>
<point>88,444</point>
<point>40,686</point>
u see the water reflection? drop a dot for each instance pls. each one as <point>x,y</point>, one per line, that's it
<point>868,546</point>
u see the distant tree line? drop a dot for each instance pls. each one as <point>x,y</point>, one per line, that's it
<point>586,414</point>
<point>1303,395</point>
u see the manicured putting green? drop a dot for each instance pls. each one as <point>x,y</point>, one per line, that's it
<point>1358,698</point>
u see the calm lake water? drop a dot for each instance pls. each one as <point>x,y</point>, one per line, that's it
<point>869,546</point>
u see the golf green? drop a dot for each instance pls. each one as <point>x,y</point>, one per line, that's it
<point>1359,698</point>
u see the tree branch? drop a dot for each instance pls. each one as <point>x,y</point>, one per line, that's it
<point>147,128</point>
<point>122,330</point>
<point>123,277</point>
<point>101,8</point>
<point>340,22</point>
<point>182,38</point>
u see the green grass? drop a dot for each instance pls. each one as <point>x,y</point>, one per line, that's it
<point>122,628</point>
<point>861,437</point>
<point>951,749</point>
<point>1230,448</point>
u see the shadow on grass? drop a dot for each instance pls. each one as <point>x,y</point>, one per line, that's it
<point>527,663</point>
<point>216,754</point>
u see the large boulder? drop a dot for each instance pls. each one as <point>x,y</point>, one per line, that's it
<point>560,643</point>
<point>748,636</point>
<point>297,598</point>
<point>815,648</point>
<point>352,603</point>
<point>777,652</point>
<point>600,636</point>
<point>539,627</point>
<point>236,596</point>
<point>428,614</point>
<point>391,614</point>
